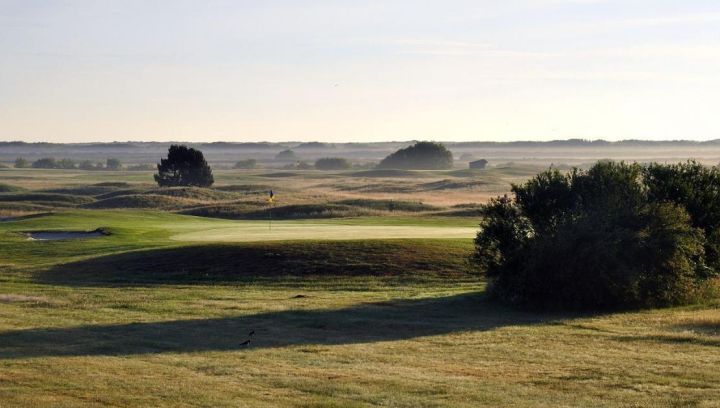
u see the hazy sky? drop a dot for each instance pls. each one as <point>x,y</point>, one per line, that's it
<point>359,70</point>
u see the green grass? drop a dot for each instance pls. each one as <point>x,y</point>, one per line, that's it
<point>146,317</point>
<point>7,188</point>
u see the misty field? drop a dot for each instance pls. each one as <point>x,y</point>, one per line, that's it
<point>364,301</point>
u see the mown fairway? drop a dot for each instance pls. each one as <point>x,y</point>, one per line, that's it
<point>363,311</point>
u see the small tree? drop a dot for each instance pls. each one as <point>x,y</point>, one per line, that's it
<point>301,165</point>
<point>21,163</point>
<point>332,163</point>
<point>88,165</point>
<point>45,163</point>
<point>286,155</point>
<point>113,164</point>
<point>66,164</point>
<point>184,167</point>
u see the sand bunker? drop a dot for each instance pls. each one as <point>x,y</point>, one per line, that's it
<point>59,235</point>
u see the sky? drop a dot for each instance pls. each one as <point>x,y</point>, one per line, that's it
<point>359,70</point>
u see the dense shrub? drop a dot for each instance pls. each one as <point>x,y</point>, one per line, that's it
<point>89,165</point>
<point>332,163</point>
<point>113,164</point>
<point>614,236</point>
<point>286,155</point>
<point>66,164</point>
<point>420,156</point>
<point>45,163</point>
<point>51,163</point>
<point>21,163</point>
<point>246,164</point>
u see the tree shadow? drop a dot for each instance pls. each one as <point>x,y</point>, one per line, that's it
<point>363,323</point>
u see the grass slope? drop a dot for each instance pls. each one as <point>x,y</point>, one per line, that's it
<point>408,260</point>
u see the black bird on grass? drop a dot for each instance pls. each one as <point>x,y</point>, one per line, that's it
<point>251,333</point>
<point>245,343</point>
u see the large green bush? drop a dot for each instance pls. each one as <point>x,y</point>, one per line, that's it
<point>420,156</point>
<point>615,236</point>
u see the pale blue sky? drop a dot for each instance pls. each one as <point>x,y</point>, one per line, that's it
<point>359,70</point>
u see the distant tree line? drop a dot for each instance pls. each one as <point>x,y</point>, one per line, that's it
<point>332,163</point>
<point>614,236</point>
<point>52,163</point>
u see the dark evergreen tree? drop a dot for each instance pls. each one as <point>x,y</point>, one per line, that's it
<point>184,167</point>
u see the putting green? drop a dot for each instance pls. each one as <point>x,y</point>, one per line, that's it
<point>253,231</point>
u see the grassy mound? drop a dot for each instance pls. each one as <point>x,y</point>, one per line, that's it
<point>116,184</point>
<point>388,205</point>
<point>50,199</point>
<point>280,174</point>
<point>140,201</point>
<point>246,188</point>
<point>94,190</point>
<point>227,211</point>
<point>194,193</point>
<point>385,173</point>
<point>10,208</point>
<point>413,259</point>
<point>464,210</point>
<point>307,211</point>
<point>7,188</point>
<point>91,191</point>
<point>449,184</point>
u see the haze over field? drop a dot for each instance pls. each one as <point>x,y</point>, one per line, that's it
<point>349,71</point>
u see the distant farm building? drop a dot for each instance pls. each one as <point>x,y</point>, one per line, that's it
<point>478,164</point>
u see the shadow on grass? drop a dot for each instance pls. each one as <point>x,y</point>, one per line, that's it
<point>411,259</point>
<point>364,323</point>
<point>672,339</point>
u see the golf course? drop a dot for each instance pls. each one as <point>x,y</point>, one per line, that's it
<point>116,293</point>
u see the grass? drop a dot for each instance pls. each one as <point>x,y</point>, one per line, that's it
<point>7,188</point>
<point>343,316</point>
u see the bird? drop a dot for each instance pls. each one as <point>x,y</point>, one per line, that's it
<point>251,333</point>
<point>245,343</point>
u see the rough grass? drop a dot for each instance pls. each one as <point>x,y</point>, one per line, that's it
<point>195,193</point>
<point>246,188</point>
<point>448,184</point>
<point>59,200</point>
<point>7,188</point>
<point>411,260</point>
<point>309,211</point>
<point>98,322</point>
<point>388,205</point>
<point>141,201</point>
<point>91,190</point>
<point>231,211</point>
<point>386,173</point>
